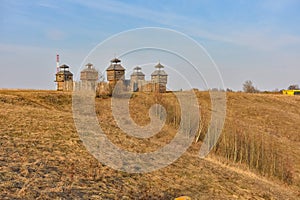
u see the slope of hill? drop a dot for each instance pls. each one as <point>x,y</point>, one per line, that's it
<point>42,156</point>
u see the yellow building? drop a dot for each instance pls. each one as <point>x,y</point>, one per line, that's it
<point>291,92</point>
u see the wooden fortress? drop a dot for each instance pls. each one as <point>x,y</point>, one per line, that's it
<point>115,73</point>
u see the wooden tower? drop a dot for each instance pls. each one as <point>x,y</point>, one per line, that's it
<point>137,79</point>
<point>89,77</point>
<point>159,79</point>
<point>115,72</point>
<point>64,79</point>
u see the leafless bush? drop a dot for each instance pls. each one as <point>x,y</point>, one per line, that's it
<point>248,87</point>
<point>260,152</point>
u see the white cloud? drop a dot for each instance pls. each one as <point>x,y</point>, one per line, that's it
<point>253,36</point>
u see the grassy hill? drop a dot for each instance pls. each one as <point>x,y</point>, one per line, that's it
<point>42,157</point>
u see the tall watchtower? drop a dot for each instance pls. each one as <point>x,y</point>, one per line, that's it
<point>115,72</point>
<point>89,77</point>
<point>64,78</point>
<point>137,79</point>
<point>159,79</point>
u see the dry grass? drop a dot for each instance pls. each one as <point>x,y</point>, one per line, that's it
<point>272,122</point>
<point>42,156</point>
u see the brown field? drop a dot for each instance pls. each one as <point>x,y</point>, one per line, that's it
<point>42,157</point>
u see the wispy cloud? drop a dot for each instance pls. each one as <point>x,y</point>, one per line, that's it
<point>269,26</point>
<point>47,5</point>
<point>131,10</point>
<point>248,35</point>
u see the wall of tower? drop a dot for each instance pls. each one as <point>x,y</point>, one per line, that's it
<point>89,76</point>
<point>64,81</point>
<point>159,83</point>
<point>65,85</point>
<point>159,79</point>
<point>113,76</point>
<point>159,87</point>
<point>137,82</point>
<point>88,85</point>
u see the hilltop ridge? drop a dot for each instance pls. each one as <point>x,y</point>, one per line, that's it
<point>42,156</point>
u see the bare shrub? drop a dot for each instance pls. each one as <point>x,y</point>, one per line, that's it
<point>260,152</point>
<point>248,87</point>
<point>294,87</point>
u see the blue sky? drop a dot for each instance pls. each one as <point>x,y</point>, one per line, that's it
<point>255,40</point>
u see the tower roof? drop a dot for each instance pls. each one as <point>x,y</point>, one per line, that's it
<point>159,66</point>
<point>89,73</point>
<point>64,70</point>
<point>115,65</point>
<point>137,68</point>
<point>115,60</point>
<point>137,72</point>
<point>89,68</point>
<point>89,65</point>
<point>64,66</point>
<point>159,71</point>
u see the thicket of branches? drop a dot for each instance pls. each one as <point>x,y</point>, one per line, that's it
<point>257,151</point>
<point>293,87</point>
